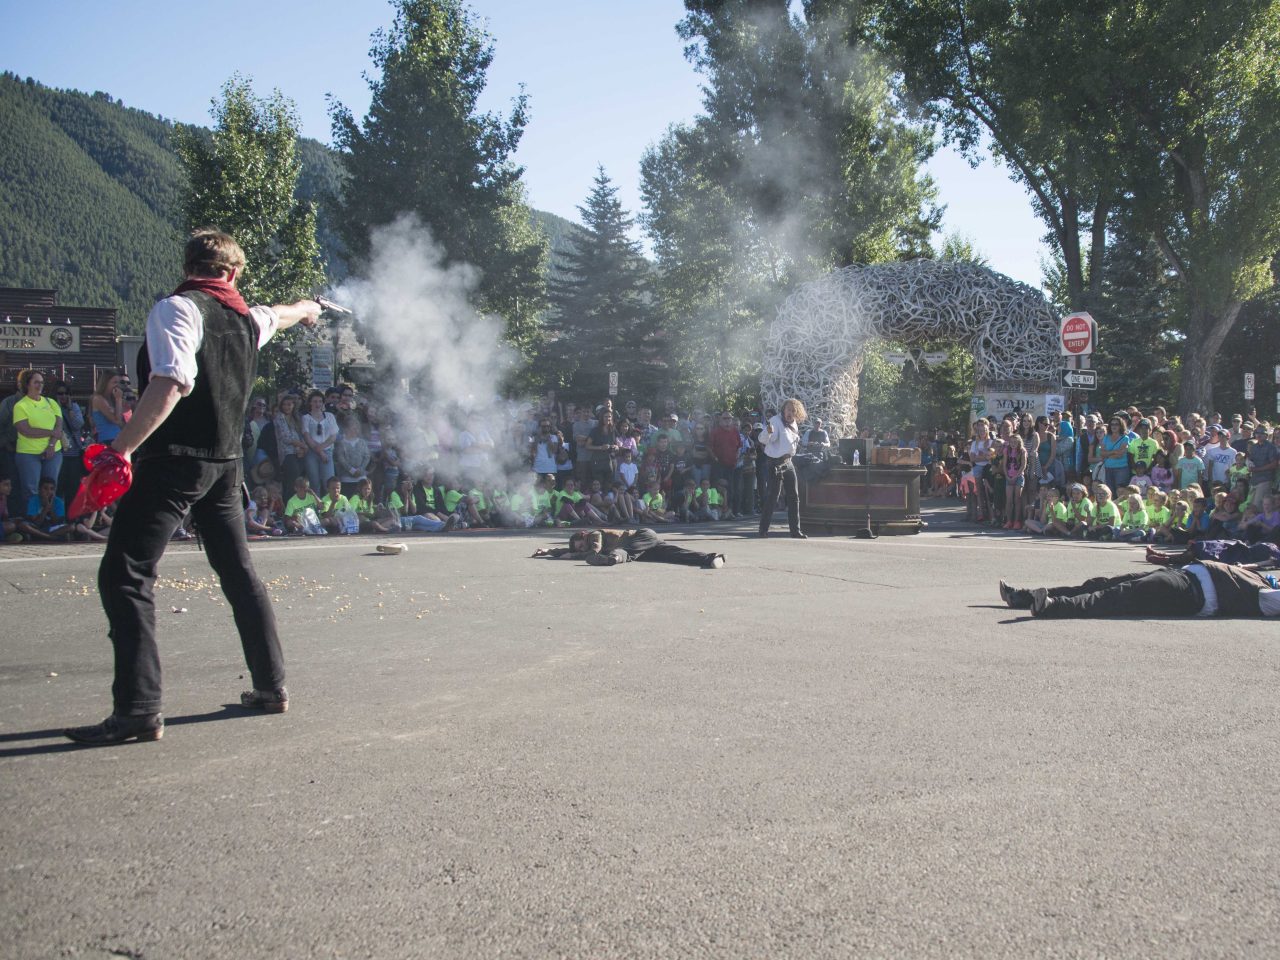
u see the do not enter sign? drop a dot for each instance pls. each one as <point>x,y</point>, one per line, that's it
<point>1076,335</point>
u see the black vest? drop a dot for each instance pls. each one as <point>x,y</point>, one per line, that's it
<point>209,421</point>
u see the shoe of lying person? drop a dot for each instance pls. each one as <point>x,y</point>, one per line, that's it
<point>118,729</point>
<point>268,701</point>
<point>1040,602</point>
<point>715,563</point>
<point>1015,598</point>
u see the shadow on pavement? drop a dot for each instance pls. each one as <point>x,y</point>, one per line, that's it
<point>229,711</point>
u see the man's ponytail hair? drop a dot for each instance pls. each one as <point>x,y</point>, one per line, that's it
<point>211,253</point>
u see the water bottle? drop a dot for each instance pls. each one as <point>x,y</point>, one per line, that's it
<point>857,458</point>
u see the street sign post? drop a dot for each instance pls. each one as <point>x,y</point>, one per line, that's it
<point>1076,335</point>
<point>613,383</point>
<point>1249,382</point>
<point>1080,379</point>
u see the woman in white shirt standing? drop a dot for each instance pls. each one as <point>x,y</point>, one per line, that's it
<point>319,431</point>
<point>980,456</point>
<point>780,439</point>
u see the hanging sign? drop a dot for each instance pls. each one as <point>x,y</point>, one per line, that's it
<point>39,337</point>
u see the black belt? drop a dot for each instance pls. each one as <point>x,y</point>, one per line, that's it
<point>781,459</point>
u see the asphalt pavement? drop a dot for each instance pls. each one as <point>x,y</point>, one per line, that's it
<point>828,748</point>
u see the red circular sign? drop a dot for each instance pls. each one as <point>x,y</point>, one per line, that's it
<point>1077,332</point>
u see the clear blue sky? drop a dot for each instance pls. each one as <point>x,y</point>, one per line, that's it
<point>605,78</point>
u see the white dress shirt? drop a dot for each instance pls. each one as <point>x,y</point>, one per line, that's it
<point>780,440</point>
<point>175,331</point>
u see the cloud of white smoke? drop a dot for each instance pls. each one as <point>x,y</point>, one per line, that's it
<point>444,362</point>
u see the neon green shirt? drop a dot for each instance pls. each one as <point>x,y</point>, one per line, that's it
<point>451,498</point>
<point>561,496</point>
<point>394,501</point>
<point>516,502</point>
<point>1056,512</point>
<point>1158,518</point>
<point>1082,510</point>
<point>713,497</point>
<point>1108,514</point>
<point>357,503</point>
<point>1133,519</point>
<point>541,500</point>
<point>478,497</point>
<point>298,504</point>
<point>1144,451</point>
<point>42,414</point>
<point>655,502</point>
<point>337,503</point>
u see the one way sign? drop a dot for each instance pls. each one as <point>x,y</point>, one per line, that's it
<point>1081,379</point>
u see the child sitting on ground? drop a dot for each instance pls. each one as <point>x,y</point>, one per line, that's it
<point>1106,516</point>
<point>655,505</point>
<point>628,469</point>
<point>362,505</point>
<point>47,517</point>
<point>1133,520</point>
<point>1080,511</point>
<point>402,506</point>
<point>1264,524</point>
<point>303,499</point>
<point>259,521</point>
<point>622,509</point>
<point>718,501</point>
<point>1224,521</point>
<point>543,502</point>
<point>333,506</point>
<point>1159,517</point>
<point>1049,510</point>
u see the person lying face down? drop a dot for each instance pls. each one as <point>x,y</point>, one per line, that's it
<point>606,547</point>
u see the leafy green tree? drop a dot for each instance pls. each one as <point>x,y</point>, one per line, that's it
<point>1161,119</point>
<point>242,179</point>
<point>601,318</point>
<point>1200,142</point>
<point>803,129</point>
<point>425,148</point>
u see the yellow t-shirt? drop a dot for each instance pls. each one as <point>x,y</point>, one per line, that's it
<point>43,414</point>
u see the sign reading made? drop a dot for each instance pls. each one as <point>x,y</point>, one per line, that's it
<point>39,337</point>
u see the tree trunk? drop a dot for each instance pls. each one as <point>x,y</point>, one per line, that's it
<point>1205,335</point>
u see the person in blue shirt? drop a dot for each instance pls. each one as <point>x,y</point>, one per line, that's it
<point>46,517</point>
<point>1066,444</point>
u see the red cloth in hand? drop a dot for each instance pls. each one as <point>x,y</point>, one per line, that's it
<point>219,289</point>
<point>110,475</point>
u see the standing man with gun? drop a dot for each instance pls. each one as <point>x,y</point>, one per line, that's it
<point>197,368</point>
<point>780,439</point>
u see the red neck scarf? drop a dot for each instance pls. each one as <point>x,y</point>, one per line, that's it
<point>219,289</point>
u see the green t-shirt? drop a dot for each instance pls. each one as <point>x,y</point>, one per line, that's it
<point>1144,451</point>
<point>1108,514</point>
<point>1056,512</point>
<point>541,500</point>
<point>298,504</point>
<point>654,502</point>
<point>451,498</point>
<point>713,497</point>
<point>1158,518</point>
<point>429,497</point>
<point>394,501</point>
<point>1082,510</point>
<point>1133,519</point>
<point>360,505</point>
<point>478,497</point>
<point>334,503</point>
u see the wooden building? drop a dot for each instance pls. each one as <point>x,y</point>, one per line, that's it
<point>62,342</point>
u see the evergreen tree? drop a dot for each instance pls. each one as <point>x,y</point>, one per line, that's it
<point>242,179</point>
<point>602,319</point>
<point>424,148</point>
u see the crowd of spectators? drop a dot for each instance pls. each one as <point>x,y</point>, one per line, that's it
<point>336,462</point>
<point>1147,477</point>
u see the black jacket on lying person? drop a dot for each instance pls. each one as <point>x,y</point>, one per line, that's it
<point>606,547</point>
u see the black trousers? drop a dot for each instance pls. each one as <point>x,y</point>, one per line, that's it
<point>164,489</point>
<point>782,476</point>
<point>645,545</point>
<point>1167,592</point>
